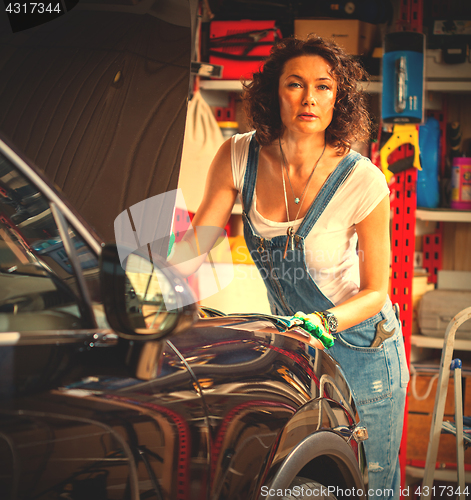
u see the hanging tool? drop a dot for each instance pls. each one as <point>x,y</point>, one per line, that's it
<point>402,98</point>
<point>402,134</point>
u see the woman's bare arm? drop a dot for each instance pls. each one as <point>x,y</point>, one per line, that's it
<point>220,192</point>
<point>373,251</point>
<point>211,216</point>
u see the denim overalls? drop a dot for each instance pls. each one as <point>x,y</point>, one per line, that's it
<point>378,376</point>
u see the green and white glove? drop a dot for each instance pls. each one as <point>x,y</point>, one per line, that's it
<point>317,326</point>
<point>171,241</point>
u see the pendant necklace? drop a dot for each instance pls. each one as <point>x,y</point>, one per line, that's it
<point>298,201</point>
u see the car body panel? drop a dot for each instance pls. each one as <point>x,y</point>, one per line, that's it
<point>148,426</point>
<point>250,396</point>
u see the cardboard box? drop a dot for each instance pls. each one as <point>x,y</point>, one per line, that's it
<point>418,433</point>
<point>420,385</point>
<point>356,37</point>
<point>467,396</point>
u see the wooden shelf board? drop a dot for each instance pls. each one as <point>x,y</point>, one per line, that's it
<point>439,474</point>
<point>437,342</point>
<point>227,85</point>
<point>443,215</point>
<point>448,85</point>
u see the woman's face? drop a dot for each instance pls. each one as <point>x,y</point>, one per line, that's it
<point>306,94</point>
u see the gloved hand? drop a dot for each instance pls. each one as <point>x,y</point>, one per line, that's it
<point>317,327</point>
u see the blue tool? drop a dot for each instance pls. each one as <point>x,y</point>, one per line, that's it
<point>402,98</point>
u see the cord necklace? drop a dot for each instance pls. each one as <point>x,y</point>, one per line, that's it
<point>290,230</point>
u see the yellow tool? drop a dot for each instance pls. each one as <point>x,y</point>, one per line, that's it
<point>402,134</point>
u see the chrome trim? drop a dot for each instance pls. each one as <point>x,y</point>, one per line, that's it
<point>63,227</point>
<point>96,337</point>
<point>360,434</point>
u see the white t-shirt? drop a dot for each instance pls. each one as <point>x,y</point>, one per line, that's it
<point>331,244</point>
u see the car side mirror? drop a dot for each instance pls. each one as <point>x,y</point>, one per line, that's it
<point>144,300</point>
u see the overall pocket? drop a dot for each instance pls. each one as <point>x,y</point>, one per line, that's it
<point>366,369</point>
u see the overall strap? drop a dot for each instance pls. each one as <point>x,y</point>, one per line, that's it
<point>250,177</point>
<point>333,182</point>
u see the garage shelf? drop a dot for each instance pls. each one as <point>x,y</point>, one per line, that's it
<point>437,342</point>
<point>439,475</point>
<point>443,215</point>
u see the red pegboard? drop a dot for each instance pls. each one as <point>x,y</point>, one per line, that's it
<point>403,204</point>
<point>411,16</point>
<point>432,250</point>
<point>227,114</point>
<point>403,244</point>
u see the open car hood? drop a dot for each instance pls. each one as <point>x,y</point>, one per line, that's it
<point>97,99</point>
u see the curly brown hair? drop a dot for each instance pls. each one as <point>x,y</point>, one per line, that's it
<point>350,122</point>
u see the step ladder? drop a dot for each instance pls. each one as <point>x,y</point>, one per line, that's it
<point>447,364</point>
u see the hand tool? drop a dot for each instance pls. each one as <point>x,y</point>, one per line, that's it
<point>402,134</point>
<point>381,334</point>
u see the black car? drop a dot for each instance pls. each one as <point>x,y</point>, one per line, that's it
<point>114,384</point>
<point>169,402</point>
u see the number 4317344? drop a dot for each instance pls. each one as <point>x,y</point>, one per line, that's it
<point>33,8</point>
<point>440,491</point>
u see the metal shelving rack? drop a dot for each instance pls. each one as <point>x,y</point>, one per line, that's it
<point>405,213</point>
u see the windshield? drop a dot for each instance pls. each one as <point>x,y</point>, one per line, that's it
<point>38,288</point>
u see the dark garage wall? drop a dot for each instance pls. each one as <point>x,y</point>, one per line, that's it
<point>97,99</point>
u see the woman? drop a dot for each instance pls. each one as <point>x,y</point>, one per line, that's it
<point>316,221</point>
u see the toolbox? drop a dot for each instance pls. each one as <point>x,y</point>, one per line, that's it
<point>241,46</point>
<point>438,307</point>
